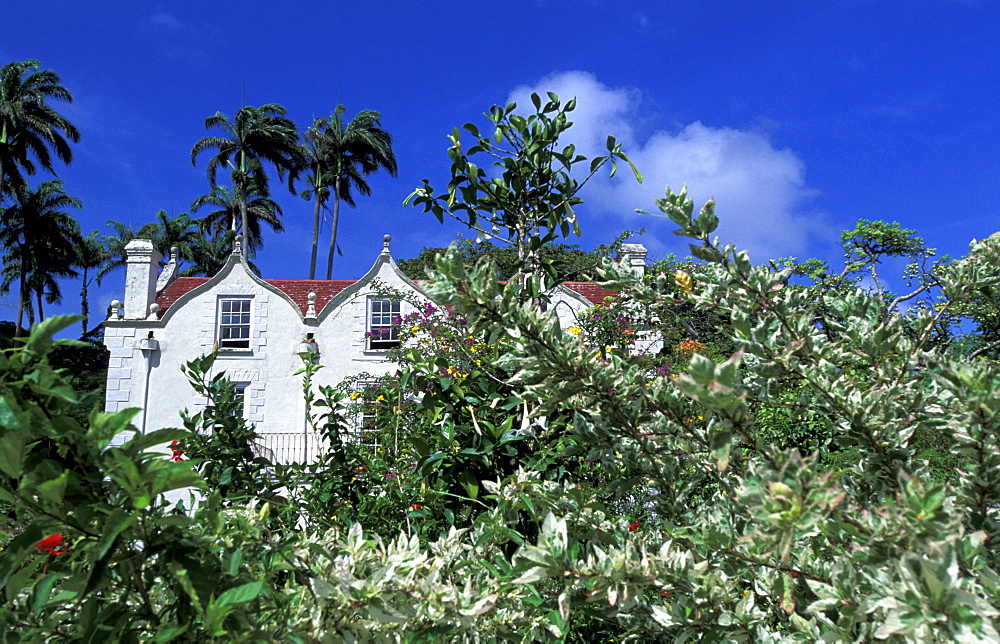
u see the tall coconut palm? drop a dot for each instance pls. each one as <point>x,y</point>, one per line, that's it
<point>39,236</point>
<point>166,233</point>
<point>338,157</point>
<point>90,256</point>
<point>31,131</point>
<point>114,248</point>
<point>211,253</point>
<point>254,135</point>
<point>260,209</point>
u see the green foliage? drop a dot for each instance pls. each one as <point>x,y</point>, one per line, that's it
<point>777,489</point>
<point>39,236</point>
<point>568,260</point>
<point>338,154</point>
<point>528,198</point>
<point>31,130</point>
<point>220,441</point>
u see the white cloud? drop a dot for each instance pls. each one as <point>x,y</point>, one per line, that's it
<point>178,40</point>
<point>760,191</point>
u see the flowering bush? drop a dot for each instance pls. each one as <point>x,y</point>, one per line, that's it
<point>567,493</point>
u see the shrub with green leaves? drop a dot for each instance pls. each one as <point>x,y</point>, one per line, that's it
<point>664,509</point>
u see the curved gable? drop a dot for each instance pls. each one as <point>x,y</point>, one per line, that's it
<point>383,262</point>
<point>175,299</point>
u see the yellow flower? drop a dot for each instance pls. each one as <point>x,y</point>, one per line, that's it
<point>683,281</point>
<point>355,395</point>
<point>416,328</point>
<point>575,330</point>
<point>380,399</point>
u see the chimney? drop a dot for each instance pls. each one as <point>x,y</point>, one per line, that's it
<point>142,261</point>
<point>633,256</point>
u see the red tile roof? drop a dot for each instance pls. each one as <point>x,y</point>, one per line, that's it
<point>592,291</point>
<point>176,289</point>
<point>326,290</point>
<point>298,290</point>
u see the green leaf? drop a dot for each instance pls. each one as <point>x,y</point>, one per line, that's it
<point>10,412</point>
<point>707,254</point>
<point>42,590</point>
<point>12,451</point>
<point>721,443</point>
<point>240,594</point>
<point>15,552</point>
<point>159,437</point>
<point>536,573</point>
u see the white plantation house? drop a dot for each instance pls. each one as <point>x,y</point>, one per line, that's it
<point>261,328</point>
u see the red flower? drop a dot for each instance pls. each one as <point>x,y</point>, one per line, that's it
<point>52,545</point>
<point>359,469</point>
<point>416,506</point>
<point>177,452</point>
<point>634,526</point>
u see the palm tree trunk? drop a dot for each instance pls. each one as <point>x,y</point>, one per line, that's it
<point>84,306</point>
<point>243,217</point>
<point>41,312</point>
<point>333,228</point>
<point>20,310</point>
<point>22,297</point>
<point>241,189</point>
<point>315,240</point>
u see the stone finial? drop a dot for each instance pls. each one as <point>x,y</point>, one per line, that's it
<point>154,312</point>
<point>115,305</point>
<point>311,309</point>
<point>169,272</point>
<point>385,244</point>
<point>238,245</point>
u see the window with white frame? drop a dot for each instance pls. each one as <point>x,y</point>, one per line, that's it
<point>367,398</point>
<point>234,323</point>
<point>383,323</point>
<point>239,398</point>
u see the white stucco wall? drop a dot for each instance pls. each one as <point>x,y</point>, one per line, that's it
<point>154,382</point>
<point>274,403</point>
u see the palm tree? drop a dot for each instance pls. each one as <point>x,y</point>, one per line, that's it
<point>339,155</point>
<point>30,129</point>
<point>260,209</point>
<point>180,232</point>
<point>254,135</point>
<point>40,237</point>
<point>211,253</point>
<point>114,248</point>
<point>165,232</point>
<point>90,255</point>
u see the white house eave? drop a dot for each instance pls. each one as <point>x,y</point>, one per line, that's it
<point>384,259</point>
<point>231,264</point>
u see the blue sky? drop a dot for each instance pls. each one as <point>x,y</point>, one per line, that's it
<point>798,117</point>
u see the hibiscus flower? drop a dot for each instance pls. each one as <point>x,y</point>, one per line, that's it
<point>54,544</point>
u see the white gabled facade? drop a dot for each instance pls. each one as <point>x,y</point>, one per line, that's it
<point>259,328</point>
